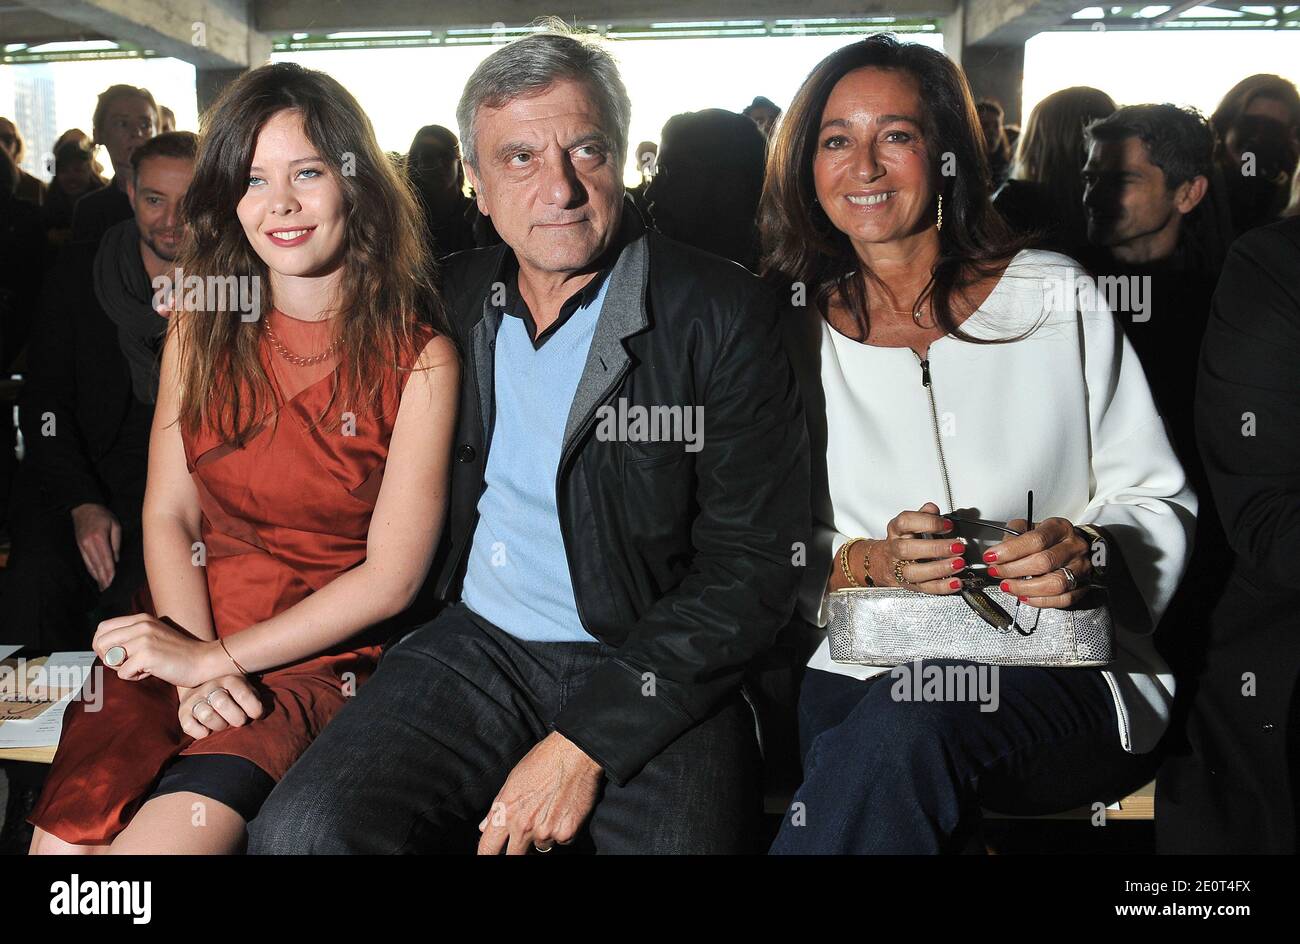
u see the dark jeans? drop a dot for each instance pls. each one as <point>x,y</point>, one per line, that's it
<point>886,775</point>
<point>414,761</point>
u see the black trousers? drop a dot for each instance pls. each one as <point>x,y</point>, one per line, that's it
<point>414,761</point>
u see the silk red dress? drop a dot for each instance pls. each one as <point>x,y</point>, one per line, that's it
<point>282,516</point>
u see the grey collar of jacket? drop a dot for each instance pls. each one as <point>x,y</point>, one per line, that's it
<point>622,316</point>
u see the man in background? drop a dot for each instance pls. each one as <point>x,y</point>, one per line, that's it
<point>86,412</point>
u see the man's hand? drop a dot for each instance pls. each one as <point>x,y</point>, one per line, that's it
<point>545,800</point>
<point>99,539</point>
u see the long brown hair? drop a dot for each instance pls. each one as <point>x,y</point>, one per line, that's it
<point>1052,150</point>
<point>387,271</point>
<point>799,241</point>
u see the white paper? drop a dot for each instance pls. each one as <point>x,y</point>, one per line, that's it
<point>44,730</point>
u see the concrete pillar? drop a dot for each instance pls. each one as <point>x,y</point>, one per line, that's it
<point>997,72</point>
<point>208,84</point>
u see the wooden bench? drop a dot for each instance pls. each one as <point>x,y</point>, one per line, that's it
<point>1137,806</point>
<point>30,755</point>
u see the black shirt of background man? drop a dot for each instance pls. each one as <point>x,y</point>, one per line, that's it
<point>1029,210</point>
<point>96,212</point>
<point>1168,344</point>
<point>22,248</point>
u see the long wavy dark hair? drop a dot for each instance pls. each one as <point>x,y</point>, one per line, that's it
<point>799,242</point>
<point>387,277</point>
<point>1051,152</point>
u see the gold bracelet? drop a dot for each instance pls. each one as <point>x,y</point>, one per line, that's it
<point>844,561</point>
<point>230,657</point>
<point>866,565</point>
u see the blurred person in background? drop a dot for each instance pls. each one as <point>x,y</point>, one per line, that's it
<point>1044,197</point>
<point>85,140</point>
<point>764,113</point>
<point>29,188</point>
<point>433,164</point>
<point>22,249</point>
<point>1156,238</point>
<point>74,177</point>
<point>125,117</point>
<point>647,156</point>
<point>1258,124</point>
<point>997,144</point>
<point>708,179</point>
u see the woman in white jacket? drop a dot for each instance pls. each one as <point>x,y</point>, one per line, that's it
<point>942,365</point>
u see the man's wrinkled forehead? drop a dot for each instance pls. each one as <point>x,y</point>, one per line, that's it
<point>566,109</point>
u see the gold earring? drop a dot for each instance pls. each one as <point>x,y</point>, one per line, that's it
<point>938,223</point>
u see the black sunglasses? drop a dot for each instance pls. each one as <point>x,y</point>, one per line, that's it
<point>977,579</point>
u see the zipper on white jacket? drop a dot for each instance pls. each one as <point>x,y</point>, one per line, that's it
<point>1125,737</point>
<point>934,421</point>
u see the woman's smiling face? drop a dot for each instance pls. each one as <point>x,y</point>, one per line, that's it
<point>871,170</point>
<point>293,212</point>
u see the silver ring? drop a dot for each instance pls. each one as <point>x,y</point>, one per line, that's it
<point>114,657</point>
<point>208,697</point>
<point>1071,581</point>
<point>195,707</point>
<point>540,849</point>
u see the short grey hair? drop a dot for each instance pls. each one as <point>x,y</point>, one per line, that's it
<point>533,64</point>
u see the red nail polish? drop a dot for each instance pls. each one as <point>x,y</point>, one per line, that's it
<point>957,548</point>
<point>954,585</point>
<point>958,563</point>
<point>1023,599</point>
<point>1005,587</point>
<point>993,572</point>
<point>990,557</point>
<point>947,525</point>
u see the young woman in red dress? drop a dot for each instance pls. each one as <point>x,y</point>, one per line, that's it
<point>298,471</point>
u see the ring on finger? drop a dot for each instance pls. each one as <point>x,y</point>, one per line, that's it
<point>898,572</point>
<point>546,848</point>
<point>208,698</point>
<point>1071,581</point>
<point>195,709</point>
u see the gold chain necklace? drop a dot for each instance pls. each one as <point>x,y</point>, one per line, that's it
<point>296,359</point>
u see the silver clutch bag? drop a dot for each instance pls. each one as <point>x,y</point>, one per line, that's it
<point>892,625</point>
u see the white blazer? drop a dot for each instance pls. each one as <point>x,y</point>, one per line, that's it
<point>1065,411</point>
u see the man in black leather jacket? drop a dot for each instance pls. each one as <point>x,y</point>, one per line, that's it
<point>629,504</point>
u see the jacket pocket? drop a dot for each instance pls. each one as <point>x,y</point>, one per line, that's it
<point>651,455</point>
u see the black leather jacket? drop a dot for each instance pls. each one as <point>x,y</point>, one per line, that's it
<point>687,561</point>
